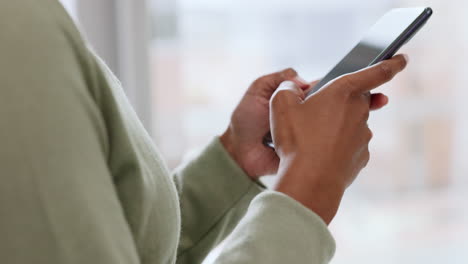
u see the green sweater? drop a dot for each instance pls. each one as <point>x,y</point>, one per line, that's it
<point>83,183</point>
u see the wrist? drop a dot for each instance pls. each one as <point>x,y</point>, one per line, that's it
<point>311,187</point>
<point>228,142</point>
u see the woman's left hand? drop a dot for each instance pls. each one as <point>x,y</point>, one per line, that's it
<point>250,122</point>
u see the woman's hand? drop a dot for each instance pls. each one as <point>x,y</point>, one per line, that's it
<point>322,141</point>
<point>250,122</point>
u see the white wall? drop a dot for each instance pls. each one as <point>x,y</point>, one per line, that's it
<point>70,5</point>
<point>118,31</point>
<point>98,23</point>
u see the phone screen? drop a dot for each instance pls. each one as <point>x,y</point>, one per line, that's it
<point>382,37</point>
<point>382,41</point>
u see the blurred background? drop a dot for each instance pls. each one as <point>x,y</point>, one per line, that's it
<point>186,63</point>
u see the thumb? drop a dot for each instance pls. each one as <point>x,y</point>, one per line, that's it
<point>277,78</point>
<point>268,84</point>
<point>289,74</point>
<point>288,93</point>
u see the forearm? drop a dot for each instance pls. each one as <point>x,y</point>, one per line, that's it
<point>322,195</point>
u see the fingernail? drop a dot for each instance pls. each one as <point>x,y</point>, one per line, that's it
<point>406,58</point>
<point>301,82</point>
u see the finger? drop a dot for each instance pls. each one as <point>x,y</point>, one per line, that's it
<point>378,101</point>
<point>367,136</point>
<point>288,75</point>
<point>268,84</point>
<point>365,157</point>
<point>312,84</point>
<point>372,77</point>
<point>288,93</point>
<point>275,79</point>
<point>299,81</point>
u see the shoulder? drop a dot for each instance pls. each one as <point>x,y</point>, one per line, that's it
<point>40,41</point>
<point>33,30</point>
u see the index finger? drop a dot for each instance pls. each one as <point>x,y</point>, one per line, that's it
<point>374,76</point>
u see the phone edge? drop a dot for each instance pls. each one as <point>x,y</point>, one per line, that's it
<point>411,31</point>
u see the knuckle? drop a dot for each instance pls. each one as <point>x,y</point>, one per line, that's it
<point>364,108</point>
<point>349,84</point>
<point>366,157</point>
<point>289,73</point>
<point>261,80</point>
<point>275,100</point>
<point>281,93</point>
<point>385,71</point>
<point>365,115</point>
<point>369,135</point>
<point>345,86</point>
<point>279,98</point>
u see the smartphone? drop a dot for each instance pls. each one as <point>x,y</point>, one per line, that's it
<point>382,42</point>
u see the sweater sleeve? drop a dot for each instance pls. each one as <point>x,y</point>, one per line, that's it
<point>220,203</point>
<point>214,194</point>
<point>276,230</point>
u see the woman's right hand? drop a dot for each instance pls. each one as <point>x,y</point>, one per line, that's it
<point>322,141</point>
